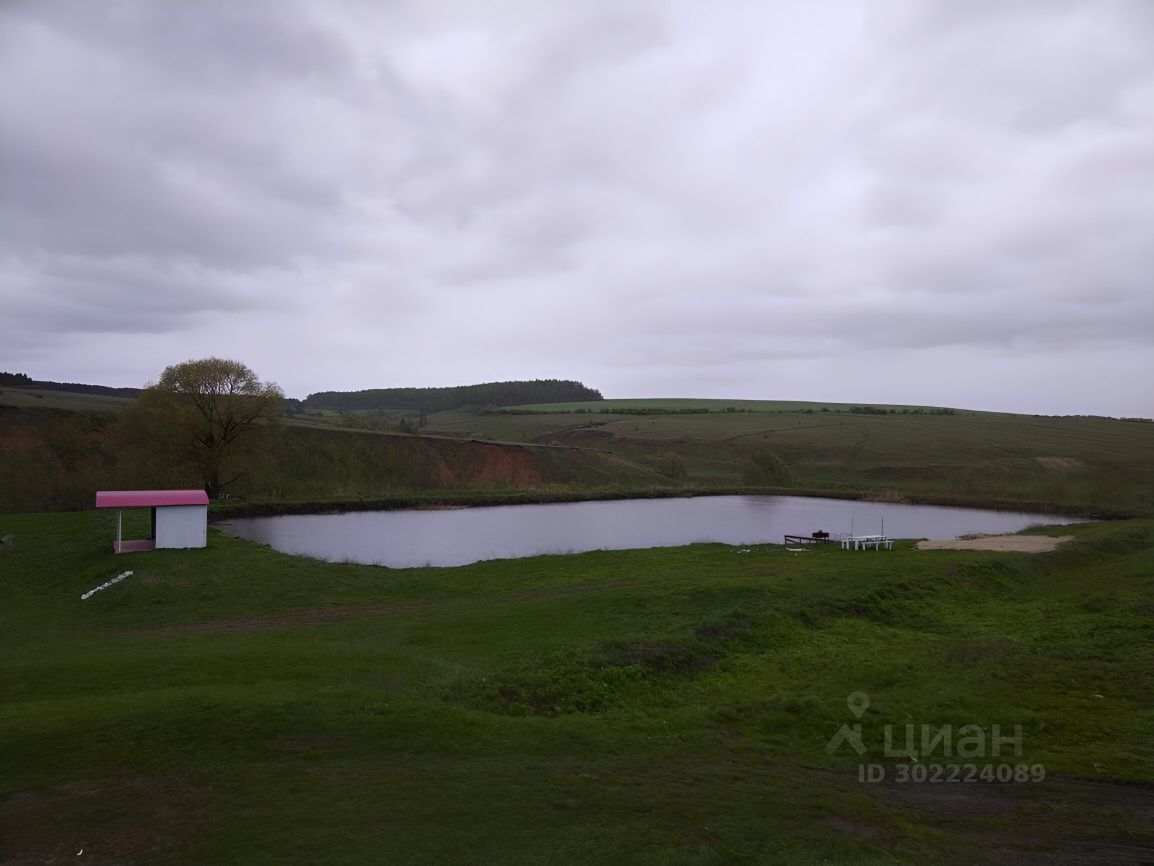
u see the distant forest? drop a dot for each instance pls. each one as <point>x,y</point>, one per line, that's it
<point>442,399</point>
<point>489,394</point>
<point>21,380</point>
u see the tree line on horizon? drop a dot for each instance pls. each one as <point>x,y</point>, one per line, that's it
<point>23,380</point>
<point>214,422</point>
<point>515,393</point>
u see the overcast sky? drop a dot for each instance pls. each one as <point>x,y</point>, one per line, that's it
<point>891,201</point>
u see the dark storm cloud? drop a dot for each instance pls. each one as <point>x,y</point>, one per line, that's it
<point>660,198</point>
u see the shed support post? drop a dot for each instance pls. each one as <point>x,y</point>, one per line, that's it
<point>119,519</point>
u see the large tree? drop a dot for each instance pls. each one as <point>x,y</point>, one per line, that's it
<point>206,415</point>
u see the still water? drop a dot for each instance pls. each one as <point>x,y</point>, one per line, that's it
<point>404,539</point>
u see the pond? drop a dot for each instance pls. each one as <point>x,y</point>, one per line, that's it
<point>447,537</point>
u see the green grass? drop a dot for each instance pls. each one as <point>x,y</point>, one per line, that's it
<point>34,398</point>
<point>1077,463</point>
<point>233,705</point>
<point>682,404</point>
<point>56,458</point>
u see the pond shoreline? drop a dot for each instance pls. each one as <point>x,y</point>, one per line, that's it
<point>222,510</point>
<point>449,537</point>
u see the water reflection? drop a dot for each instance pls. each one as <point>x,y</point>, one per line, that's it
<point>403,539</point>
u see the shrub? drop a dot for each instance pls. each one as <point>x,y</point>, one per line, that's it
<point>766,469</point>
<point>671,466</point>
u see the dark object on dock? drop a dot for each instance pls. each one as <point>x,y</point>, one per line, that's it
<point>823,538</point>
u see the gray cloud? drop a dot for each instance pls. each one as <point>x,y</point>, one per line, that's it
<point>762,200</point>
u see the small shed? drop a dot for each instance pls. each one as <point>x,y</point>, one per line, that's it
<point>179,517</point>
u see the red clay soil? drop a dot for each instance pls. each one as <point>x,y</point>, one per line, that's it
<point>504,465</point>
<point>453,463</point>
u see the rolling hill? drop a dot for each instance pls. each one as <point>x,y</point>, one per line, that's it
<point>57,447</point>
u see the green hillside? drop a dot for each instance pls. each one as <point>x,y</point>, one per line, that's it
<point>67,401</point>
<point>57,447</point>
<point>891,451</point>
<point>233,705</point>
<point>52,459</point>
<point>692,404</point>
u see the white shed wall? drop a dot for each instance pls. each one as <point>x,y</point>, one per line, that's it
<point>181,525</point>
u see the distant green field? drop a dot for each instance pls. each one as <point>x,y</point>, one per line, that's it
<point>1083,465</point>
<point>981,456</point>
<point>32,398</point>
<point>674,706</point>
<point>679,404</point>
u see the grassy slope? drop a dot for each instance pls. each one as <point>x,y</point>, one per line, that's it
<point>234,705</point>
<point>55,459</point>
<point>1089,464</point>
<point>33,398</point>
<point>683,403</point>
<point>310,461</point>
<point>983,456</point>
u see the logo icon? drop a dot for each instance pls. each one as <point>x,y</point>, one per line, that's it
<point>858,703</point>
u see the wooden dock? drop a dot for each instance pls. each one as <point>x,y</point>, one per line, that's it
<point>809,539</point>
<point>847,542</point>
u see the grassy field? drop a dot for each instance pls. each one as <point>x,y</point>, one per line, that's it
<point>56,460</point>
<point>56,449</point>
<point>685,404</point>
<point>34,398</point>
<point>233,705</point>
<point>983,457</point>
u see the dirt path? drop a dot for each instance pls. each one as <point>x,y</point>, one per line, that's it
<point>1018,543</point>
<point>1060,821</point>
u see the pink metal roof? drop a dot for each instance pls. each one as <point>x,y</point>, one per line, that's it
<point>145,498</point>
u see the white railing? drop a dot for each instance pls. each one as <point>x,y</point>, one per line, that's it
<point>866,542</point>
